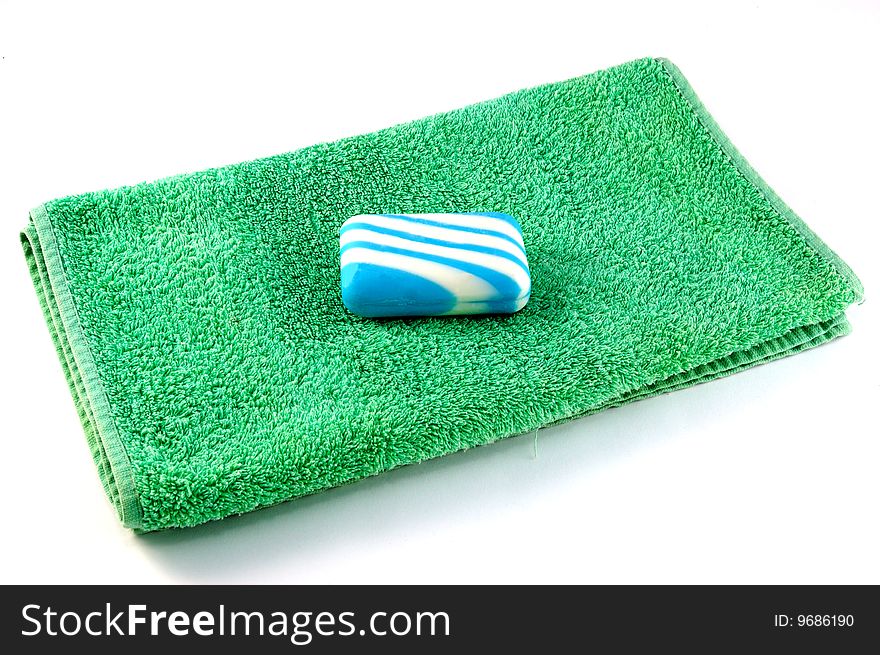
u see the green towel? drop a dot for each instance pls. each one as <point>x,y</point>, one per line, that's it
<point>199,321</point>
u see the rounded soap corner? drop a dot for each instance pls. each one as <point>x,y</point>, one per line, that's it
<point>513,219</point>
<point>346,222</point>
<point>510,218</point>
<point>521,302</point>
<point>350,301</point>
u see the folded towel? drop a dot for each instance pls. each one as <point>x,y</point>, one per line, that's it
<point>200,325</point>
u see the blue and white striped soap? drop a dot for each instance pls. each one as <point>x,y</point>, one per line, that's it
<point>433,264</point>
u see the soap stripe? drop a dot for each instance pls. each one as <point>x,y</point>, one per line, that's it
<point>354,231</point>
<point>450,235</point>
<point>507,218</point>
<point>492,227</point>
<point>434,230</point>
<point>462,284</point>
<point>467,218</point>
<point>506,285</point>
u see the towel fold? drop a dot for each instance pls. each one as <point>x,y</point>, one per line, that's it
<point>215,370</point>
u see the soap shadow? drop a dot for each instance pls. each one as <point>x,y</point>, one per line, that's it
<point>273,543</point>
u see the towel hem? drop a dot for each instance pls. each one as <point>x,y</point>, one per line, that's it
<point>746,170</point>
<point>50,279</point>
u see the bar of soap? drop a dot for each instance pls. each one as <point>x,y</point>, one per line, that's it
<point>433,264</point>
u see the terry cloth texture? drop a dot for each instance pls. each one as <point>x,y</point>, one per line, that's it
<point>215,369</point>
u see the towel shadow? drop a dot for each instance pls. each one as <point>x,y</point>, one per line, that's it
<point>272,543</point>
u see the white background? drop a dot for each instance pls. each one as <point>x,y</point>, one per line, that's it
<point>769,476</point>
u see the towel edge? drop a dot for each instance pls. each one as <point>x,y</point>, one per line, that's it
<point>128,506</point>
<point>746,170</point>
